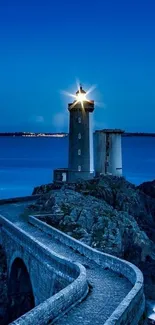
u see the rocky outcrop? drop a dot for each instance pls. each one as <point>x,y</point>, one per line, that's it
<point>107,213</point>
<point>118,193</point>
<point>43,189</point>
<point>148,188</point>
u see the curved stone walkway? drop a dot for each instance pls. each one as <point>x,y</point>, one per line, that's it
<point>107,289</point>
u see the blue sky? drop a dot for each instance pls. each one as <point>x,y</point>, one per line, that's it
<point>46,45</point>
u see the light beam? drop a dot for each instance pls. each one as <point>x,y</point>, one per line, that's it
<point>80,97</point>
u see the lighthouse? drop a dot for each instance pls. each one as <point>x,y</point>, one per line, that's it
<point>79,137</point>
<point>107,145</point>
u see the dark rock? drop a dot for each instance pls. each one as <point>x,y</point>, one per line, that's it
<point>148,188</point>
<point>45,188</point>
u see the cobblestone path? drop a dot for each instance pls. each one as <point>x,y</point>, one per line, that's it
<point>108,289</point>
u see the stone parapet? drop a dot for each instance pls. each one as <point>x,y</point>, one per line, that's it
<point>75,291</point>
<point>131,309</point>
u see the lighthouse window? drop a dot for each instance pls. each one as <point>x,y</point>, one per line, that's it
<point>79,168</point>
<point>79,152</point>
<point>79,119</point>
<point>79,136</point>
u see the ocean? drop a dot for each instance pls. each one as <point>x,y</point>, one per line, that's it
<point>26,162</point>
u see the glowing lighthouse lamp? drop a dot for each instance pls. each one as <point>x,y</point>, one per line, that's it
<point>80,97</point>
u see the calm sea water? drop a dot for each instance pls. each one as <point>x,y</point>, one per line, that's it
<point>28,162</point>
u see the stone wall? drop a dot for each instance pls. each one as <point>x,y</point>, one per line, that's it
<point>3,285</point>
<point>43,267</point>
<point>132,307</point>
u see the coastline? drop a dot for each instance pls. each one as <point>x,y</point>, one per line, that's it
<point>138,134</point>
<point>65,134</point>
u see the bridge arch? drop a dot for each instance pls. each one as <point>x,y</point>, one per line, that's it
<point>3,286</point>
<point>20,292</point>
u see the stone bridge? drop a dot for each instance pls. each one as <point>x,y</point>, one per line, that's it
<point>53,278</point>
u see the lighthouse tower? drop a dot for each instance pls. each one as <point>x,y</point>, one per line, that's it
<point>79,137</point>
